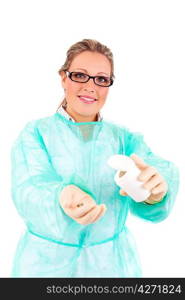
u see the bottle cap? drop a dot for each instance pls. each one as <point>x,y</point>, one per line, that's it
<point>121,162</point>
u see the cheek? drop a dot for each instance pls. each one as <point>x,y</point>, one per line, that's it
<point>72,89</point>
<point>104,94</point>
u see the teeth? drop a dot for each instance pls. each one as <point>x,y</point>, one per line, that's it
<point>87,99</point>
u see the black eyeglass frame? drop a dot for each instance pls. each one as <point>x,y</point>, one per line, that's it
<point>69,74</point>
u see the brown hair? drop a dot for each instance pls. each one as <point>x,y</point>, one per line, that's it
<point>86,45</point>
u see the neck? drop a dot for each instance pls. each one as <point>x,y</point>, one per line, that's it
<point>80,118</point>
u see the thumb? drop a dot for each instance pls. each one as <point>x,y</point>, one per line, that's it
<point>138,161</point>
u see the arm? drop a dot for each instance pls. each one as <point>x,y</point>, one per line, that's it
<point>36,185</point>
<point>157,212</point>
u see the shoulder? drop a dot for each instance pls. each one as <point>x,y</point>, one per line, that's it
<point>37,124</point>
<point>34,128</point>
<point>123,130</point>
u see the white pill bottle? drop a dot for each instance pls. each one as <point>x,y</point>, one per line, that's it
<point>126,177</point>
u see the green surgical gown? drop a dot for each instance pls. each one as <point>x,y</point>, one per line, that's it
<point>53,152</point>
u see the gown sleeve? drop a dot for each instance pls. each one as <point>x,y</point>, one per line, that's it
<point>134,143</point>
<point>35,183</point>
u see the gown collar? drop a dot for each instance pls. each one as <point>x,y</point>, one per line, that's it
<point>61,110</point>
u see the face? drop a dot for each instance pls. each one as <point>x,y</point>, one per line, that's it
<point>93,64</point>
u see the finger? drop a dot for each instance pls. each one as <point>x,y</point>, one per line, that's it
<point>85,220</point>
<point>102,212</point>
<point>155,198</point>
<point>138,161</point>
<point>152,182</point>
<point>147,173</point>
<point>89,217</point>
<point>161,188</point>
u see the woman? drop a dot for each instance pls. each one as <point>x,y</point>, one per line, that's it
<point>64,189</point>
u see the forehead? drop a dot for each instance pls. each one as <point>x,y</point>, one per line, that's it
<point>91,61</point>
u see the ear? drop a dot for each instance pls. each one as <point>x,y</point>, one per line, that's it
<point>63,78</point>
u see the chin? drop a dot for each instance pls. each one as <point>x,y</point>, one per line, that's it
<point>86,112</point>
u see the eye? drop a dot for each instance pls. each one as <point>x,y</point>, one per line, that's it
<point>102,79</point>
<point>79,75</point>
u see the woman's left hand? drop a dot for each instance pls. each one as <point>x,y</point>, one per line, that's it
<point>152,180</point>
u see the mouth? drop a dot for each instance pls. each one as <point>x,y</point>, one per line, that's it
<point>87,99</point>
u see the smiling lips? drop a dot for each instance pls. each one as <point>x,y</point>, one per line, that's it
<point>87,99</point>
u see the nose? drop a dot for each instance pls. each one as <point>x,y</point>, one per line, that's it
<point>89,85</point>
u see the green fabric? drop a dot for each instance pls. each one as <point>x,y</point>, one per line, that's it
<point>53,152</point>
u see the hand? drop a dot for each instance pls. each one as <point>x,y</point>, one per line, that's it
<point>80,206</point>
<point>152,181</point>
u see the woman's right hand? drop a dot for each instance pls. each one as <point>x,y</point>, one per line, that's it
<point>80,206</point>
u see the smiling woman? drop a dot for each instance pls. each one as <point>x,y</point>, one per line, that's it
<point>86,93</point>
<point>64,189</point>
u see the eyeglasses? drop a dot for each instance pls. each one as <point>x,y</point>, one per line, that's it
<point>81,77</point>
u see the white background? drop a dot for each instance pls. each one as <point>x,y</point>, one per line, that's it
<point>148,42</point>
